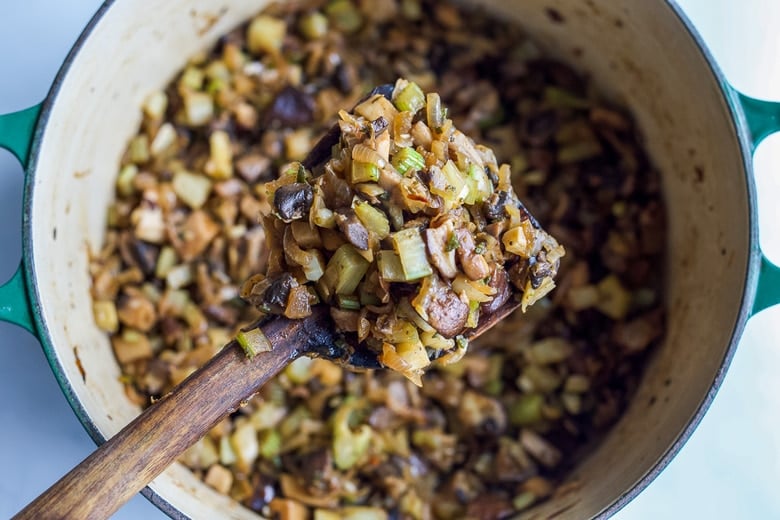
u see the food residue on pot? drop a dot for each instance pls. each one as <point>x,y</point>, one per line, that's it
<point>486,437</point>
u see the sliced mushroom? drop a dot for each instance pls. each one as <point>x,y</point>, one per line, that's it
<point>352,228</point>
<point>444,309</point>
<point>474,264</point>
<point>500,282</point>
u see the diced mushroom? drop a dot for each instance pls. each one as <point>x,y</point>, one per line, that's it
<point>253,167</point>
<point>197,233</point>
<point>292,201</point>
<point>345,321</point>
<point>637,334</point>
<point>291,107</point>
<point>136,310</point>
<point>131,346</point>
<point>138,253</point>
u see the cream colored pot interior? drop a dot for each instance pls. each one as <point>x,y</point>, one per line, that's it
<point>636,49</point>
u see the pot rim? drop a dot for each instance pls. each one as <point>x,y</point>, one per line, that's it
<point>44,336</point>
<point>739,127</point>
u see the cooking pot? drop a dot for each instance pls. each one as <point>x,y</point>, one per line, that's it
<point>698,130</point>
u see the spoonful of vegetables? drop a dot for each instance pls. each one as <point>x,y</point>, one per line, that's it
<point>395,242</point>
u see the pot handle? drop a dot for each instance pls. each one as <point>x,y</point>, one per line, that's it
<point>16,133</point>
<point>763,119</point>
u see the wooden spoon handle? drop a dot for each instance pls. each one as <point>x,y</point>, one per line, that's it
<point>131,459</point>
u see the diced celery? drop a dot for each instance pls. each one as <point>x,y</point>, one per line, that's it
<point>578,151</point>
<point>362,513</point>
<point>155,105</point>
<point>313,25</point>
<point>193,189</point>
<point>220,163</point>
<point>363,172</point>
<point>105,315</point>
<point>163,139</point>
<point>139,149</point>
<point>479,184</point>
<point>324,514</point>
<point>299,371</point>
<point>410,97</point>
<point>270,444</point>
<point>526,410</point>
<point>344,15</point>
<point>556,97</point>
<point>253,342</point>
<point>198,108</point>
<point>265,34</point>
<point>244,444</point>
<point>345,270</point>
<point>124,181</point>
<point>408,160</point>
<point>389,264</point>
<point>410,247</point>
<point>614,298</point>
<point>348,446</point>
<point>348,302</point>
<point>191,79</point>
<point>227,456</point>
<point>165,261</point>
<point>523,501</point>
<point>374,219</point>
<point>473,317</point>
<point>411,9</point>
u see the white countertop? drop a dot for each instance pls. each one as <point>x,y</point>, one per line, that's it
<point>728,469</point>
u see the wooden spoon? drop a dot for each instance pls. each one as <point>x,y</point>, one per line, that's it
<point>127,462</point>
